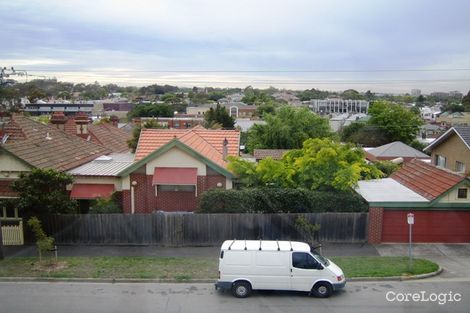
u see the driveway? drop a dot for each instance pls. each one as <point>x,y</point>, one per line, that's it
<point>453,258</point>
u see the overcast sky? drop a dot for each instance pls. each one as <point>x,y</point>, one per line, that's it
<point>384,46</point>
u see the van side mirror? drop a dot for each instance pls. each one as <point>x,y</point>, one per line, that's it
<point>319,266</point>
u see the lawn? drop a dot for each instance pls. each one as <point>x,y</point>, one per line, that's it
<point>182,269</point>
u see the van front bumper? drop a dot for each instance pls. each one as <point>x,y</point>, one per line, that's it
<point>223,285</point>
<point>339,285</point>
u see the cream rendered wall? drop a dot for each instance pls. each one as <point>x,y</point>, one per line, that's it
<point>176,158</point>
<point>451,197</point>
<point>10,167</point>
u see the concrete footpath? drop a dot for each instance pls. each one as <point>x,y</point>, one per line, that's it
<point>328,249</point>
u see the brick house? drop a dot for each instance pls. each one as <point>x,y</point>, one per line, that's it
<point>105,134</point>
<point>170,170</point>
<point>439,199</point>
<point>452,149</point>
<point>28,144</point>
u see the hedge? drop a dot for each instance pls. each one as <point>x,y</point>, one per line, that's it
<point>276,200</point>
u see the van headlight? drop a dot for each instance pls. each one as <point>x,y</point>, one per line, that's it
<point>340,278</point>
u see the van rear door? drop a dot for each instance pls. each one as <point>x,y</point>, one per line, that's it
<point>304,271</point>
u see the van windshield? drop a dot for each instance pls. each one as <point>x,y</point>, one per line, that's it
<point>320,258</point>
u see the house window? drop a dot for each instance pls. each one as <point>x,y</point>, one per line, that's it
<point>189,188</point>
<point>459,167</point>
<point>462,193</point>
<point>440,160</point>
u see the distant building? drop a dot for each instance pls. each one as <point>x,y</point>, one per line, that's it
<point>430,114</point>
<point>337,105</point>
<point>235,109</point>
<point>416,92</point>
<point>342,120</point>
<point>455,94</point>
<point>448,119</point>
<point>43,108</point>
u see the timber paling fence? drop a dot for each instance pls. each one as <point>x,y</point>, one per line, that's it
<point>173,229</point>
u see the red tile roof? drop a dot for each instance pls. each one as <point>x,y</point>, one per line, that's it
<point>425,179</point>
<point>209,143</point>
<point>110,136</point>
<point>45,146</point>
<point>275,154</point>
<point>104,134</point>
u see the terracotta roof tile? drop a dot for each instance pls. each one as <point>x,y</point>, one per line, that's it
<point>45,146</point>
<point>275,154</point>
<point>209,143</point>
<point>425,179</point>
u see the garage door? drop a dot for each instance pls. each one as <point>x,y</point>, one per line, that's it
<point>430,226</point>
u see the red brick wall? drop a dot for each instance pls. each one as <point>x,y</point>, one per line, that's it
<point>5,189</point>
<point>374,227</point>
<point>126,201</point>
<point>147,202</point>
<point>173,201</point>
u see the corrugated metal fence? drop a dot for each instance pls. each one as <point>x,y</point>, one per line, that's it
<point>198,229</point>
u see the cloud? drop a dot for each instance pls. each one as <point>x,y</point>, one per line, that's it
<point>75,35</point>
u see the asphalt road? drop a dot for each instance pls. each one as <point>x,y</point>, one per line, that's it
<point>50,297</point>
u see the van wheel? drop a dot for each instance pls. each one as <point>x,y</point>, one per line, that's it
<point>322,290</point>
<point>241,289</point>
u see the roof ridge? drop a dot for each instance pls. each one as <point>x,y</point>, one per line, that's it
<point>195,133</point>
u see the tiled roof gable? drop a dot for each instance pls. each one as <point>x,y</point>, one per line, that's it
<point>425,179</point>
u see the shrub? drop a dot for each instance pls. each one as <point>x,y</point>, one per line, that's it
<point>43,242</point>
<point>278,200</point>
<point>106,206</point>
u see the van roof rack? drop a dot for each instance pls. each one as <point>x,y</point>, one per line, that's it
<point>230,247</point>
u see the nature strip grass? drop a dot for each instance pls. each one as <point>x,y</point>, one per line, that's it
<point>186,268</point>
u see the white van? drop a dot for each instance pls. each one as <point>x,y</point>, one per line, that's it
<point>246,265</point>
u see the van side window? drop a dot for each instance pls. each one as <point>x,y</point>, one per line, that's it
<point>303,260</point>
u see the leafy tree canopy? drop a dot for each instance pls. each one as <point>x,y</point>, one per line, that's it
<point>132,143</point>
<point>218,117</point>
<point>466,102</point>
<point>321,164</point>
<point>396,121</point>
<point>287,129</point>
<point>43,191</point>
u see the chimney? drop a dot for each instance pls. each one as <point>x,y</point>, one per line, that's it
<point>225,149</point>
<point>58,119</point>
<point>114,120</point>
<point>137,121</point>
<point>81,121</point>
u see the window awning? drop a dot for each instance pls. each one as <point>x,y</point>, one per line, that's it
<point>174,176</point>
<point>91,191</point>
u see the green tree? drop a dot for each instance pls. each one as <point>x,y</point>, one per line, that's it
<point>218,116</point>
<point>321,164</point>
<point>351,94</point>
<point>364,135</point>
<point>43,191</point>
<point>132,143</point>
<point>287,129</point>
<point>466,102</point>
<point>396,121</point>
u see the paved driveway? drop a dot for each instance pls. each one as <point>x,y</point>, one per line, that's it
<point>454,258</point>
